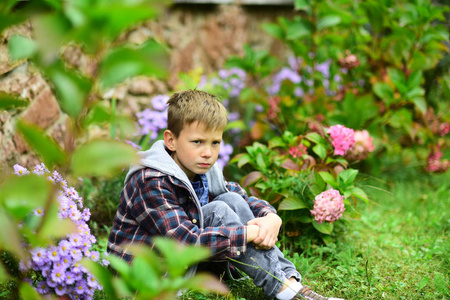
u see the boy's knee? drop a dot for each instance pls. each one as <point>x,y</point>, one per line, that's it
<point>233,200</point>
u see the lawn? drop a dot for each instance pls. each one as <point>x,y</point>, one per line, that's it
<point>399,249</point>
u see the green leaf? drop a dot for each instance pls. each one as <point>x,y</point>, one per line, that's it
<point>144,276</point>
<point>274,30</point>
<point>71,88</point>
<point>399,80</point>
<point>54,227</point>
<point>325,227</point>
<point>243,160</point>
<point>302,4</point>
<point>415,79</point>
<point>420,104</point>
<point>328,21</point>
<point>320,150</point>
<point>179,256</point>
<point>260,162</point>
<point>384,91</point>
<point>45,146</point>
<point>276,142</point>
<point>401,118</point>
<point>359,193</point>
<point>9,102</point>
<point>102,158</point>
<point>10,237</point>
<point>21,47</point>
<point>347,176</point>
<point>28,292</point>
<point>8,19</point>
<point>149,59</point>
<point>292,203</point>
<point>315,138</point>
<point>328,178</point>
<point>104,276</point>
<point>22,194</point>
<point>298,29</point>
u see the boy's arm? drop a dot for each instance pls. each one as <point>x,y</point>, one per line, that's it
<point>267,220</point>
<point>157,207</point>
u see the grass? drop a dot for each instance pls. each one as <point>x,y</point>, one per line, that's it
<point>399,249</point>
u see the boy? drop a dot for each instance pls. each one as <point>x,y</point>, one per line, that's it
<point>178,191</point>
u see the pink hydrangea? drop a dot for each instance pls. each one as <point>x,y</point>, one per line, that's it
<point>328,206</point>
<point>342,139</point>
<point>362,147</point>
<point>435,163</point>
<point>298,151</point>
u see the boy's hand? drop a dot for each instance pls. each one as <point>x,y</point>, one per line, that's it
<point>269,227</point>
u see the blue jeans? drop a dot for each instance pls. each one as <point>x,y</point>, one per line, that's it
<point>230,209</point>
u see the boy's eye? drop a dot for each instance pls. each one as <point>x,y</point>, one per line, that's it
<point>196,142</point>
<point>216,143</point>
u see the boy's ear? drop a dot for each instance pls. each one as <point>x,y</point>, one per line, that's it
<point>169,140</point>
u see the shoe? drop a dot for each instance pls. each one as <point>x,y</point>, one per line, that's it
<point>305,293</point>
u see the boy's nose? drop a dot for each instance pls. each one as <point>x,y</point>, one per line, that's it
<point>206,152</point>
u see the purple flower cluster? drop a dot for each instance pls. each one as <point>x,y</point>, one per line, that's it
<point>58,265</point>
<point>224,154</point>
<point>232,80</point>
<point>342,139</point>
<point>328,206</point>
<point>152,121</point>
<point>293,73</point>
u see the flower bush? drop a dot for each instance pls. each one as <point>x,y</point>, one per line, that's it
<point>56,269</point>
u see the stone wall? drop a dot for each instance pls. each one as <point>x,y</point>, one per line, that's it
<point>199,35</point>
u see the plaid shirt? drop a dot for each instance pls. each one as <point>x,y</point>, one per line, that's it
<point>153,203</point>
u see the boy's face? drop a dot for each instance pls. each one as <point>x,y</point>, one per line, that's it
<point>196,149</point>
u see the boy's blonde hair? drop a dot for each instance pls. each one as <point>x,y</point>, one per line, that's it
<point>188,106</point>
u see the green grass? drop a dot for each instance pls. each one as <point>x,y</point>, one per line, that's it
<point>399,249</point>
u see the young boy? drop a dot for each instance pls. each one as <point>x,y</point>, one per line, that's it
<point>179,192</point>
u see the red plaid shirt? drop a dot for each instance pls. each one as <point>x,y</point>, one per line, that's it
<point>153,203</point>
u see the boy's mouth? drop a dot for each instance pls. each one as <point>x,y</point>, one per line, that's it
<point>204,165</point>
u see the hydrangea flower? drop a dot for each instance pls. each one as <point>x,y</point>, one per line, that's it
<point>298,151</point>
<point>342,139</point>
<point>152,121</point>
<point>362,147</point>
<point>59,266</point>
<point>328,206</point>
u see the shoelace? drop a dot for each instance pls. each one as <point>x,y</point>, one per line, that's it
<point>309,294</point>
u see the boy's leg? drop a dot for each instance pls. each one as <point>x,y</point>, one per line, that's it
<point>267,268</point>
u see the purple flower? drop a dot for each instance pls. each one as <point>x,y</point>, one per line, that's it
<point>86,214</point>
<point>40,169</point>
<point>70,277</point>
<point>20,171</point>
<point>76,254</point>
<point>159,102</point>
<point>64,247</point>
<point>42,287</point>
<point>80,286</point>
<point>39,255</point>
<point>233,116</point>
<point>53,254</point>
<point>224,154</point>
<point>58,274</point>
<point>95,255</point>
<point>38,212</point>
<point>60,289</point>
<point>92,282</point>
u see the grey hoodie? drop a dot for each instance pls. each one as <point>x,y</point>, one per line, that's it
<point>158,158</point>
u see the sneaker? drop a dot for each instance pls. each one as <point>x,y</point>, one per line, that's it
<point>306,293</point>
